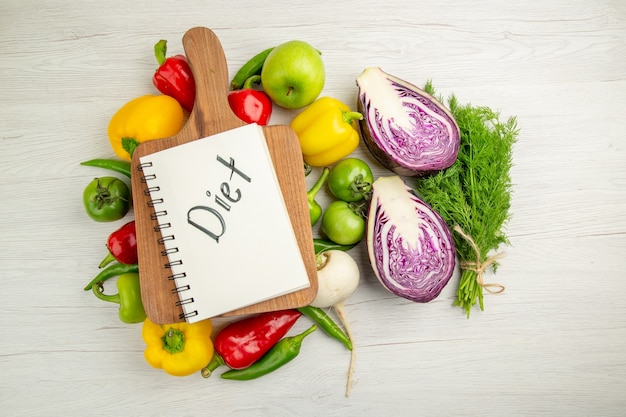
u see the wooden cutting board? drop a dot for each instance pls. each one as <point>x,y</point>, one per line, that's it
<point>211,115</point>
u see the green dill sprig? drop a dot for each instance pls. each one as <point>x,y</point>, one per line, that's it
<point>475,192</point>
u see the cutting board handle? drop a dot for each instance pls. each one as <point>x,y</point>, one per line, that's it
<point>211,112</point>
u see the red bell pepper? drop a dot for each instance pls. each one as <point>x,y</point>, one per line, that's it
<point>122,246</point>
<point>173,77</point>
<point>250,105</point>
<point>245,341</point>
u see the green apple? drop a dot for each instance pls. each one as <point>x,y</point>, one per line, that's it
<point>293,74</point>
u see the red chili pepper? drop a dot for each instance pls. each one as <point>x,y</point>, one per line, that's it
<point>250,105</point>
<point>243,342</point>
<point>122,246</point>
<point>174,77</point>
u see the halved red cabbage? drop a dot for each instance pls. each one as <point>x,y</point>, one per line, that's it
<point>410,246</point>
<point>406,129</point>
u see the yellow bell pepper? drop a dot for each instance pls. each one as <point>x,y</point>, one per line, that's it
<point>327,131</point>
<point>180,349</point>
<point>144,118</point>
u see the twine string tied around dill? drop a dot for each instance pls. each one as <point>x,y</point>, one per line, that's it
<point>479,267</point>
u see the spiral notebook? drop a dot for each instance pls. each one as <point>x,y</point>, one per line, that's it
<point>223,223</point>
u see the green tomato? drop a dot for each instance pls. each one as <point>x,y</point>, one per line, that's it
<point>343,223</point>
<point>106,199</point>
<point>351,180</point>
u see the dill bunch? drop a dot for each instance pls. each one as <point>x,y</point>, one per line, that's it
<point>474,194</point>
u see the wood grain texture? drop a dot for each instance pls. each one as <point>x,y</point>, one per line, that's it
<point>211,115</point>
<point>552,345</point>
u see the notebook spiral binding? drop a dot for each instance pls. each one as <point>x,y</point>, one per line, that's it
<point>161,227</point>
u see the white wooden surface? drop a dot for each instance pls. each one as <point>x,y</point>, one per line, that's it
<point>554,344</point>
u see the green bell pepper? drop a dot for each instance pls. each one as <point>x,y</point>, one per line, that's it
<point>128,297</point>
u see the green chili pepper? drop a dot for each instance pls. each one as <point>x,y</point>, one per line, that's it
<point>122,167</point>
<point>315,210</point>
<point>128,297</point>
<point>322,245</point>
<point>112,271</point>
<point>327,324</point>
<point>252,67</point>
<point>283,352</point>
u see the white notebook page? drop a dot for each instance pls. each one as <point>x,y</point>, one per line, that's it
<point>229,221</point>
